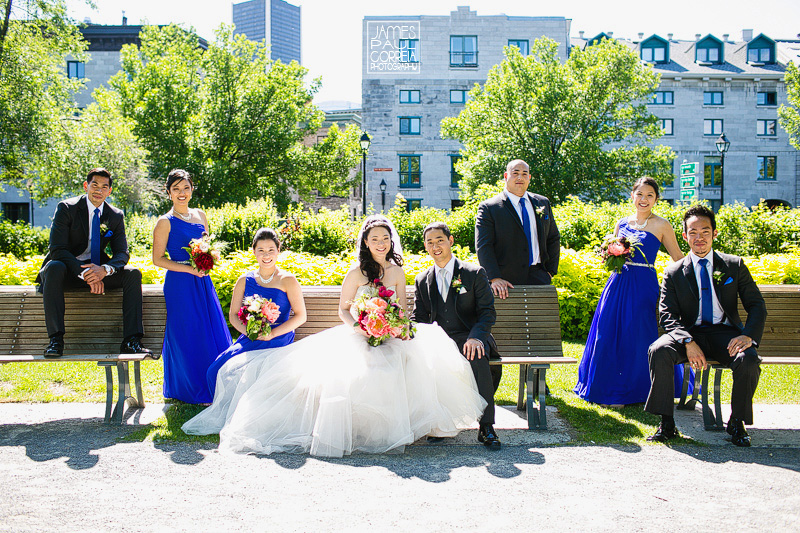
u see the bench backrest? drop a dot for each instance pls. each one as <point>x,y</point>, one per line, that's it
<point>93,322</point>
<point>782,330</point>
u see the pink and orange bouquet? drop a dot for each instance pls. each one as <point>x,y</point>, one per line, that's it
<point>616,251</point>
<point>381,316</point>
<point>204,252</point>
<point>258,314</point>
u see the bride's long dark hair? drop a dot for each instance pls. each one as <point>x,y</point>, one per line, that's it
<point>369,267</point>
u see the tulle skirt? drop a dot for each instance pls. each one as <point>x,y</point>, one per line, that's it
<point>331,394</point>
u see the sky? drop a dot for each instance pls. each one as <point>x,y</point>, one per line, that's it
<point>331,30</point>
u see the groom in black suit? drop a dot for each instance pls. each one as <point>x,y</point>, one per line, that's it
<point>700,315</point>
<point>82,228</point>
<point>457,296</point>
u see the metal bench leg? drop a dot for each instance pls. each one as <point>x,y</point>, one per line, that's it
<point>708,418</point>
<point>717,400</point>
<point>537,411</point>
<point>109,391</point>
<point>523,372</point>
<point>137,378</point>
<point>683,404</point>
<point>124,392</point>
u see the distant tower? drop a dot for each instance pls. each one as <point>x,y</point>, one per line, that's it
<point>275,21</point>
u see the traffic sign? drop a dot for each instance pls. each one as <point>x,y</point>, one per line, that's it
<point>689,182</point>
<point>688,195</point>
<point>689,168</point>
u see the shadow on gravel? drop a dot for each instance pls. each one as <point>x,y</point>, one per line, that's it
<point>76,439</point>
<point>788,458</point>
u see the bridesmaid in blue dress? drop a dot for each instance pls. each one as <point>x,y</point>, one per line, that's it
<point>614,370</point>
<point>196,331</point>
<point>279,286</point>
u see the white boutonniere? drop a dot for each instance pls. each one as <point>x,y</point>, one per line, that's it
<point>720,278</point>
<point>540,211</point>
<point>458,285</point>
<point>104,231</point>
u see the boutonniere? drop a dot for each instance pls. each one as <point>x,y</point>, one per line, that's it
<point>458,285</point>
<point>104,231</point>
<point>540,211</point>
<point>720,278</point>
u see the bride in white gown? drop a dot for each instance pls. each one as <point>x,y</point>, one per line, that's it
<point>331,393</point>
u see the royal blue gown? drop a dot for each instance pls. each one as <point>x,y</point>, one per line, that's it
<point>196,330</point>
<point>614,367</point>
<point>243,343</point>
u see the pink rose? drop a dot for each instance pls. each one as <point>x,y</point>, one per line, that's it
<point>271,311</point>
<point>376,304</point>
<point>377,326</point>
<point>383,292</point>
<point>396,331</point>
<point>616,249</point>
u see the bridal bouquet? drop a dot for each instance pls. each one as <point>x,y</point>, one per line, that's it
<point>616,251</point>
<point>381,316</point>
<point>204,252</point>
<point>258,314</point>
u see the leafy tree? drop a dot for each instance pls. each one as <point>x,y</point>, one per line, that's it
<point>36,38</point>
<point>790,114</point>
<point>582,125</point>
<point>231,116</point>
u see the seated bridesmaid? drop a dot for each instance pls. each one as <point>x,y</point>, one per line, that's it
<point>270,282</point>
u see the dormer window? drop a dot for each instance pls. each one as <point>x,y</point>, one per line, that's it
<point>597,39</point>
<point>761,50</point>
<point>709,50</point>
<point>655,50</point>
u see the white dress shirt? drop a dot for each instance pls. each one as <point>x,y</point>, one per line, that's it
<point>444,284</point>
<point>528,207</point>
<point>719,314</point>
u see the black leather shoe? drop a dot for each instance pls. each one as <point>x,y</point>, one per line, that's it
<point>488,437</point>
<point>434,440</point>
<point>55,348</point>
<point>133,345</point>
<point>739,435</point>
<point>664,433</point>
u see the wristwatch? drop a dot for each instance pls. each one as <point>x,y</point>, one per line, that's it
<point>687,340</point>
<point>109,270</point>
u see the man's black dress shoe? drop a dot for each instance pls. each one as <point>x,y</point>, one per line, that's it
<point>488,437</point>
<point>664,433</point>
<point>738,433</point>
<point>55,348</point>
<point>133,345</point>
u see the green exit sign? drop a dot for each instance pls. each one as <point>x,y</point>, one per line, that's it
<point>689,168</point>
<point>688,181</point>
<point>688,195</point>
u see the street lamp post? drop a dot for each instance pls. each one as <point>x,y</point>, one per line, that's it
<point>383,195</point>
<point>722,144</point>
<point>364,149</point>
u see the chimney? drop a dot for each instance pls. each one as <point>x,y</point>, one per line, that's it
<point>581,34</point>
<point>697,36</point>
<point>610,34</point>
<point>641,36</point>
<point>725,37</point>
<point>747,35</point>
<point>669,36</point>
<point>124,19</point>
<point>87,20</point>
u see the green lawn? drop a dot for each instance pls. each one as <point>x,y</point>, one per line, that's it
<point>81,382</point>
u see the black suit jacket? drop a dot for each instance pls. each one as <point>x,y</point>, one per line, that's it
<point>680,297</point>
<point>500,239</point>
<point>69,235</point>
<point>474,301</point>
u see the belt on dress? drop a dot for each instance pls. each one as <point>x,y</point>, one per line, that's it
<point>647,265</point>
<point>185,262</point>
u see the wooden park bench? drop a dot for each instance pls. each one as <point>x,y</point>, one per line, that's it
<point>93,333</point>
<point>780,345</point>
<point>528,333</point>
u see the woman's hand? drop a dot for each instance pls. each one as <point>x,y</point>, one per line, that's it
<point>267,336</point>
<point>195,272</point>
<point>357,328</point>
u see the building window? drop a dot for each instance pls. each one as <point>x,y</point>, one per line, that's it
<point>409,125</point>
<point>712,171</point>
<point>767,98</point>
<point>759,55</point>
<point>409,50</point>
<point>463,51</point>
<point>17,211</point>
<point>766,128</point>
<point>76,69</point>
<point>409,97</point>
<point>410,171</point>
<point>766,167</point>
<point>712,126</point>
<point>663,98</point>
<point>522,44</point>
<point>666,126</point>
<point>707,55</point>
<point>413,203</point>
<point>455,177</point>
<point>712,98</point>
<point>458,96</point>
<point>455,204</point>
<point>654,54</point>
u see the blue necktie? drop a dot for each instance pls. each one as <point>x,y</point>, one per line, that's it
<point>96,259</point>
<point>707,313</point>
<point>526,227</point>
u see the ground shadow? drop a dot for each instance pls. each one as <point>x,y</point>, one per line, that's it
<point>787,458</point>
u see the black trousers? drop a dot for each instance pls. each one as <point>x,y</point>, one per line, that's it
<point>537,275</point>
<point>483,376</point>
<point>56,279</point>
<point>666,352</point>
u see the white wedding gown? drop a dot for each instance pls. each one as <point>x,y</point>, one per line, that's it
<point>331,394</point>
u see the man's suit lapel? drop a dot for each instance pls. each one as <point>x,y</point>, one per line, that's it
<point>456,274</point>
<point>83,217</point>
<point>433,291</point>
<point>509,206</point>
<point>539,226</point>
<point>691,279</point>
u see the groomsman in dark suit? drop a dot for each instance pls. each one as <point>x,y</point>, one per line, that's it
<point>457,296</point>
<point>700,315</point>
<point>82,228</point>
<point>516,237</point>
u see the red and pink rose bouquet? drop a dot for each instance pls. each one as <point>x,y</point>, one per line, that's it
<point>381,316</point>
<point>616,251</point>
<point>204,252</point>
<point>258,314</point>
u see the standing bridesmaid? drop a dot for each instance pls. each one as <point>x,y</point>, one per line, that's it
<point>196,331</point>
